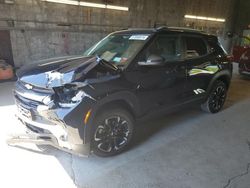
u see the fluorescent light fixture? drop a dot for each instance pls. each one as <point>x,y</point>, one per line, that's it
<point>88,4</point>
<point>9,1</point>
<point>68,2</point>
<point>117,7</point>
<point>205,18</point>
<point>94,5</point>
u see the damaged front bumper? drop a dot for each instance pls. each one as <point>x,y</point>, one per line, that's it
<point>62,128</point>
<point>47,134</point>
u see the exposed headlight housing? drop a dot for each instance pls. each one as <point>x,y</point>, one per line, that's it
<point>47,100</point>
<point>70,95</point>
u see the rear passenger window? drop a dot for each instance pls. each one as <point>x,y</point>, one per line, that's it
<point>195,47</point>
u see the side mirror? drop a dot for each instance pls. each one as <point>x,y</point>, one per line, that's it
<point>153,60</point>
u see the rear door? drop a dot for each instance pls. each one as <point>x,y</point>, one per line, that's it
<point>200,65</point>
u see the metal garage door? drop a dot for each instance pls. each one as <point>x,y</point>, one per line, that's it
<point>5,47</point>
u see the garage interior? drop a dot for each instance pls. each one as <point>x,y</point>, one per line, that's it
<point>185,149</point>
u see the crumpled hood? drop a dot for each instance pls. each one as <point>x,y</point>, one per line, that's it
<point>57,72</point>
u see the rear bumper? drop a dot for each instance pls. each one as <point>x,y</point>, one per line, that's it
<point>46,134</point>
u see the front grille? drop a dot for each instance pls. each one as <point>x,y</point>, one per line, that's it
<point>30,99</point>
<point>35,88</point>
<point>26,103</point>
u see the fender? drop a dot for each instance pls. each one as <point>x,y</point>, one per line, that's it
<point>225,74</point>
<point>128,97</point>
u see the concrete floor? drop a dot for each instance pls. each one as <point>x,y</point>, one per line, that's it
<point>186,149</point>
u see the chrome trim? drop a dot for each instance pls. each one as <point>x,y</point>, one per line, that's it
<point>32,96</point>
<point>38,96</point>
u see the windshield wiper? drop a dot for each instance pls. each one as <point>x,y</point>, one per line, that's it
<point>107,64</point>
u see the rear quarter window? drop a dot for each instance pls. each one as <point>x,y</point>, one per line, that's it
<point>217,48</point>
<point>194,47</point>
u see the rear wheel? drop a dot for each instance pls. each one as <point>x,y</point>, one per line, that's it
<point>113,131</point>
<point>216,98</point>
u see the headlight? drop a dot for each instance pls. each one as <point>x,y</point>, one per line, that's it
<point>70,95</point>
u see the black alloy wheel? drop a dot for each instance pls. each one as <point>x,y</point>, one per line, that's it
<point>113,132</point>
<point>216,98</point>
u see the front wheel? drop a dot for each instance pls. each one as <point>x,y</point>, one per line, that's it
<point>113,131</point>
<point>216,98</point>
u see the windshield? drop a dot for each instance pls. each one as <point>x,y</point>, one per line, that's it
<point>118,49</point>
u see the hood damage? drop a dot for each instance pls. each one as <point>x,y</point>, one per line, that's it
<point>67,80</point>
<point>66,71</point>
<point>55,79</point>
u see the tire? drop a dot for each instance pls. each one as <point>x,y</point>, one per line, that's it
<point>112,133</point>
<point>216,98</point>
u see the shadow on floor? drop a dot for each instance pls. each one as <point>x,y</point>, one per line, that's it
<point>144,132</point>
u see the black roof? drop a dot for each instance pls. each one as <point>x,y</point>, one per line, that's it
<point>162,29</point>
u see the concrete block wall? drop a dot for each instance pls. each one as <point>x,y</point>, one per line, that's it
<point>42,30</point>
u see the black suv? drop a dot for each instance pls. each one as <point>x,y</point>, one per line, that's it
<point>92,102</point>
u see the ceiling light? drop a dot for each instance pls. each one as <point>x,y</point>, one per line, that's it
<point>9,1</point>
<point>205,18</point>
<point>68,2</point>
<point>117,7</point>
<point>88,4</point>
<point>95,5</point>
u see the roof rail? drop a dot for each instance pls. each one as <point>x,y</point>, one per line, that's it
<point>161,28</point>
<point>186,29</point>
<point>166,28</point>
<point>138,28</point>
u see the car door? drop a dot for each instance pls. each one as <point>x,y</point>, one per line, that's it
<point>200,66</point>
<point>160,86</point>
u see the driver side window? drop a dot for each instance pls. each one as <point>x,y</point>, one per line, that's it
<point>164,46</point>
